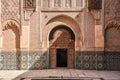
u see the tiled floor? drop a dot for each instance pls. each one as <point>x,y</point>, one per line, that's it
<point>64,73</point>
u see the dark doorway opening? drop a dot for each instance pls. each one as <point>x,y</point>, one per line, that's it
<point>62,57</point>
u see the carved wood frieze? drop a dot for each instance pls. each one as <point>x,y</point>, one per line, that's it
<point>29,3</point>
<point>95,4</point>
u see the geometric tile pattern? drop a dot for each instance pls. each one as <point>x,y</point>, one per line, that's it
<point>8,61</point>
<point>34,60</point>
<point>37,60</point>
<point>112,61</point>
<point>98,60</point>
<point>89,60</point>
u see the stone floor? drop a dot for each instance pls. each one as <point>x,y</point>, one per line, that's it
<point>59,73</point>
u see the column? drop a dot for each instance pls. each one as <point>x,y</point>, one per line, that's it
<point>0,20</point>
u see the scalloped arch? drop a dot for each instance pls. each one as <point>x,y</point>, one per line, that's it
<point>112,24</point>
<point>11,24</point>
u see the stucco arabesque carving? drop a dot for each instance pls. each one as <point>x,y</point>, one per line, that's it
<point>29,9</point>
<point>97,16</point>
<point>28,13</point>
<point>10,24</point>
<point>112,12</point>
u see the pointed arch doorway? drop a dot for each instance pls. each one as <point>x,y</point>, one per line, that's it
<point>62,47</point>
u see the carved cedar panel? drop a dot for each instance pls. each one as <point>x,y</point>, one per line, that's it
<point>29,3</point>
<point>95,4</point>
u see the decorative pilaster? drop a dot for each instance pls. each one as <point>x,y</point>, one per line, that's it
<point>29,8</point>
<point>96,9</point>
<point>0,19</point>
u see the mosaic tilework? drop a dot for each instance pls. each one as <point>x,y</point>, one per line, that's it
<point>78,60</point>
<point>100,60</point>
<point>37,60</point>
<point>8,60</point>
<point>33,60</point>
<point>89,60</point>
<point>112,61</point>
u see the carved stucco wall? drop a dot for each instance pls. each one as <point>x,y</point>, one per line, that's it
<point>90,60</point>
<point>89,34</point>
<point>112,40</point>
<point>112,35</point>
<point>10,10</point>
<point>112,16</point>
<point>10,19</point>
<point>112,10</point>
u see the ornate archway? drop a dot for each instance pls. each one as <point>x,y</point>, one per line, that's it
<point>62,43</point>
<point>112,46</point>
<point>11,44</point>
<point>112,31</point>
<point>11,35</point>
<point>71,27</point>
